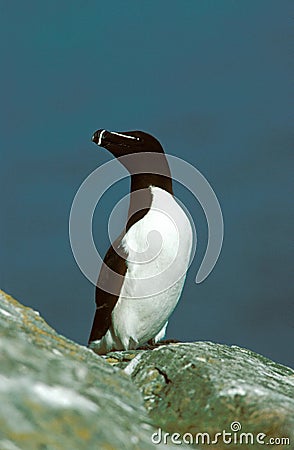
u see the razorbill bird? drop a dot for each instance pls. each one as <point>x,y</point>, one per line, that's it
<point>143,271</point>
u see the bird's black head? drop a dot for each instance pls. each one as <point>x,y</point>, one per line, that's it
<point>141,154</point>
<point>126,142</point>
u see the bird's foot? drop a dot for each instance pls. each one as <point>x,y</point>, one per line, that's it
<point>168,341</point>
<point>151,344</point>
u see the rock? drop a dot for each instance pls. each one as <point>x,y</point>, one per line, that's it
<point>57,395</point>
<point>204,387</point>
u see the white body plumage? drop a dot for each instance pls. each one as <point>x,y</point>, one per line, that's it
<point>158,247</point>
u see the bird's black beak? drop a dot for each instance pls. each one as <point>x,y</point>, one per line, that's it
<point>105,138</point>
<point>98,136</point>
<point>95,137</point>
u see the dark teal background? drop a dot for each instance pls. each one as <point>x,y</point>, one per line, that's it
<point>211,80</point>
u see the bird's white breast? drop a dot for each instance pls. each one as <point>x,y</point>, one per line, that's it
<point>158,248</point>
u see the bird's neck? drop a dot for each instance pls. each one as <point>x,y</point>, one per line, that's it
<point>141,196</point>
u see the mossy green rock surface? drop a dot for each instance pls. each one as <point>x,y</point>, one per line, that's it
<point>209,388</point>
<point>57,395</point>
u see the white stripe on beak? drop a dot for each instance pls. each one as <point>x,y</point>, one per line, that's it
<point>100,137</point>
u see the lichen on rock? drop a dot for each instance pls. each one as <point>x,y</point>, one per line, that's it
<point>58,395</point>
<point>204,387</point>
